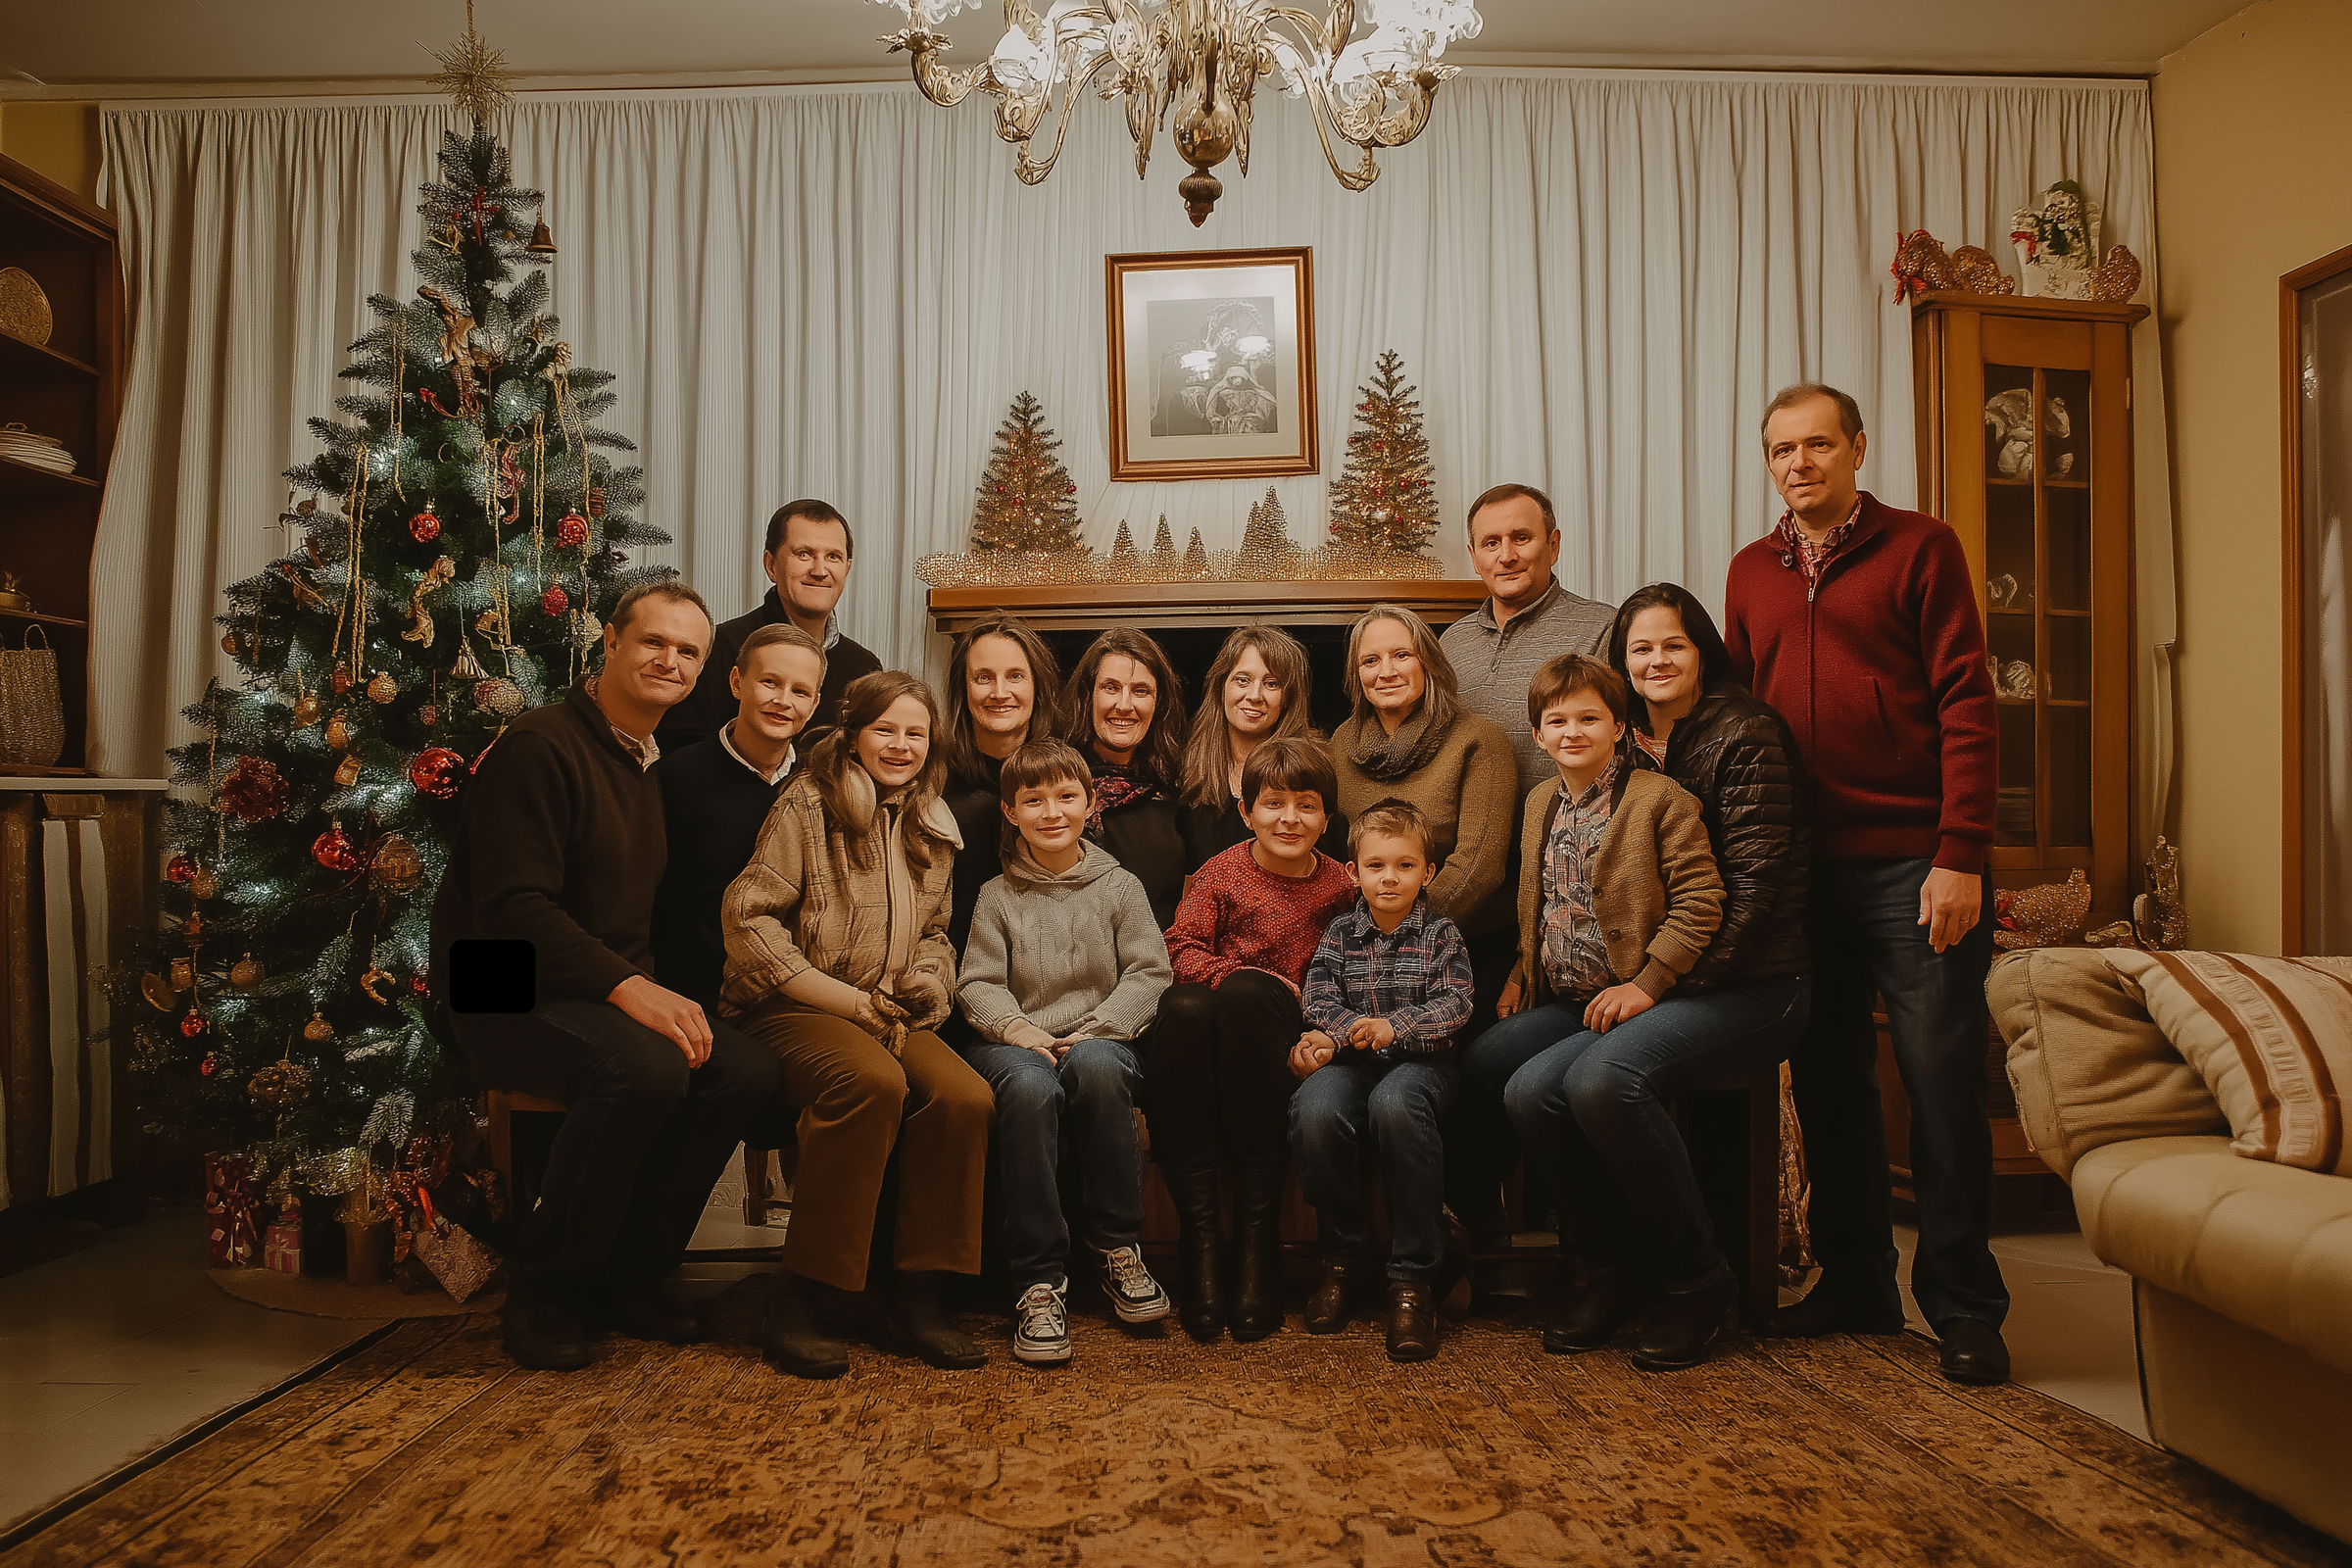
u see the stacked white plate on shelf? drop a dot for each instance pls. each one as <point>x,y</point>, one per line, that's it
<point>19,445</point>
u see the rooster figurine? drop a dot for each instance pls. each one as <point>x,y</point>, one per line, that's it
<point>2047,914</point>
<point>1920,265</point>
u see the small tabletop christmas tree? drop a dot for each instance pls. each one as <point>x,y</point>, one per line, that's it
<point>459,544</point>
<point>1027,501</point>
<point>1386,499</point>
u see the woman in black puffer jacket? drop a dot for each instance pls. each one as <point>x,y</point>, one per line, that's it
<point>1631,1205</point>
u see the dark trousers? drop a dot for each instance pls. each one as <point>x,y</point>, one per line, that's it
<point>1217,1074</point>
<point>1479,1141</point>
<point>1867,940</point>
<point>1590,1110</point>
<point>1399,1108</point>
<point>645,1137</point>
<point>1091,1093</point>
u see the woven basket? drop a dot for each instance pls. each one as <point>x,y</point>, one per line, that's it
<point>32,713</point>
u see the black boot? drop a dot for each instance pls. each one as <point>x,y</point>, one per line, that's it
<point>1595,1307</point>
<point>541,1323</point>
<point>1257,1247</point>
<point>920,1321</point>
<point>1199,1243</point>
<point>1842,1302</point>
<point>1681,1324</point>
<point>789,1335</point>
<point>646,1310</point>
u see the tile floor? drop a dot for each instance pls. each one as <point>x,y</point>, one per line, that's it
<point>116,1349</point>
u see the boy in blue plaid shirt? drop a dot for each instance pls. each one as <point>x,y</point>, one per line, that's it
<point>1384,994</point>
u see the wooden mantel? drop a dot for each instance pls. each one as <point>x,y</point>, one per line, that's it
<point>1096,606</point>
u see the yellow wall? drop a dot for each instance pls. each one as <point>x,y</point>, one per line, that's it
<point>56,139</point>
<point>2252,121</point>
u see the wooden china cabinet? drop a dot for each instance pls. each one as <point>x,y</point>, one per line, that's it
<point>2023,410</point>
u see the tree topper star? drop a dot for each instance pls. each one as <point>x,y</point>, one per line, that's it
<point>473,74</point>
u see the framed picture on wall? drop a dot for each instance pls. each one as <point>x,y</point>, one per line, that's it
<point>1212,365</point>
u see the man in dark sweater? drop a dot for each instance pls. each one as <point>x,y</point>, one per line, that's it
<point>807,561</point>
<point>562,844</point>
<point>1859,625</point>
<point>715,796</point>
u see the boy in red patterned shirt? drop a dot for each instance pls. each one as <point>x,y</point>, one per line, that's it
<point>1217,1071</point>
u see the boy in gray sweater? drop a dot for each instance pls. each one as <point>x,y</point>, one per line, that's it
<point>1061,974</point>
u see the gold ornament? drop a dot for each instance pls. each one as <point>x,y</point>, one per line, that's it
<point>397,867</point>
<point>229,643</point>
<point>467,667</point>
<point>183,975</point>
<point>245,973</point>
<point>383,688</point>
<point>2046,914</point>
<point>159,992</point>
<point>306,711</point>
<point>499,696</point>
<point>543,244</point>
<point>338,732</point>
<point>280,1087</point>
<point>347,771</point>
<point>317,1031</point>
<point>201,883</point>
<point>191,931</point>
<point>475,75</point>
<point>340,679</point>
<point>370,980</point>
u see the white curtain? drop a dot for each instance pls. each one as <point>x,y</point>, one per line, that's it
<point>1595,279</point>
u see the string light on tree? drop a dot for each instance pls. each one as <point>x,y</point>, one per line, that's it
<point>1027,501</point>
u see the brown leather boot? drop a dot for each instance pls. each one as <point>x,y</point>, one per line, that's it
<point>1412,1321</point>
<point>1327,1308</point>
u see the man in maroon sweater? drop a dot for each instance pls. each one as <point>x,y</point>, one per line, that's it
<point>1859,623</point>
<point>562,844</point>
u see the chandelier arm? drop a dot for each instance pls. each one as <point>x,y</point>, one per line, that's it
<point>945,85</point>
<point>1031,171</point>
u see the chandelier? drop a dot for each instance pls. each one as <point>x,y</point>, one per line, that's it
<point>1200,60</point>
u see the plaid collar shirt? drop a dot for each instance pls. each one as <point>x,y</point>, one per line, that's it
<point>1811,558</point>
<point>1416,978</point>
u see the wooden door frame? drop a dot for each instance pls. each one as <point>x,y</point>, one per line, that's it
<point>2290,473</point>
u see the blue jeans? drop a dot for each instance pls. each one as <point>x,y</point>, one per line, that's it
<point>1867,940</point>
<point>1091,1093</point>
<point>1402,1105</point>
<point>1591,1111</point>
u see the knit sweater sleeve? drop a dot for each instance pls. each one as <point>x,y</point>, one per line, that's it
<point>756,917</point>
<point>1693,891</point>
<point>1145,970</point>
<point>1195,939</point>
<point>931,968</point>
<point>986,989</point>
<point>1951,644</point>
<point>1481,835</point>
<point>516,817</point>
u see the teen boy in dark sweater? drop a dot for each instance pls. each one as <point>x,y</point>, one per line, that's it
<point>715,795</point>
<point>560,843</point>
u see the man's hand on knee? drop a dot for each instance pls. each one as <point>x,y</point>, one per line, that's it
<point>666,1014</point>
<point>1950,905</point>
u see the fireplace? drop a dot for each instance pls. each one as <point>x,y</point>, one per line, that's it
<point>1191,620</point>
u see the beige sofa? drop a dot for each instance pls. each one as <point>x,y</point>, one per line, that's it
<point>2241,1269</point>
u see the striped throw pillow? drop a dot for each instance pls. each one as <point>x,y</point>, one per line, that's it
<point>2271,1038</point>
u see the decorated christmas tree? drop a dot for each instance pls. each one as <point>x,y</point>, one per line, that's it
<point>1386,498</point>
<point>1163,548</point>
<point>454,547</point>
<point>1027,501</point>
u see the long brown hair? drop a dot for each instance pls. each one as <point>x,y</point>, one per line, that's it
<point>1441,691</point>
<point>1698,629</point>
<point>963,754</point>
<point>1159,756</point>
<point>1208,753</point>
<point>848,790</point>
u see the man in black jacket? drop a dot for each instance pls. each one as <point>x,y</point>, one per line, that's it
<point>562,844</point>
<point>807,561</point>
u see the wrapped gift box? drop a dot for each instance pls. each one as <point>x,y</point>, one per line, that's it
<point>281,1244</point>
<point>232,1211</point>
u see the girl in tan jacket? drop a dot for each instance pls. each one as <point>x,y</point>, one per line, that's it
<point>838,961</point>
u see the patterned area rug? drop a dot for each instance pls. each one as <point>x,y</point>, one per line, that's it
<point>431,1447</point>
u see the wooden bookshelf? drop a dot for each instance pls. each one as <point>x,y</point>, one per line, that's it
<point>69,389</point>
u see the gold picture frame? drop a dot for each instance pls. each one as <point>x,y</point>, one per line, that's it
<point>1212,365</point>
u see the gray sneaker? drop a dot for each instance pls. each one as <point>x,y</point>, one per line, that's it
<point>1133,1294</point>
<point>1041,1325</point>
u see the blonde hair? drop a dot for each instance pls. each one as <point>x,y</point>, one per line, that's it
<point>847,790</point>
<point>1441,691</point>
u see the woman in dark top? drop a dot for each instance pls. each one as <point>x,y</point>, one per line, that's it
<point>1124,711</point>
<point>1591,1109</point>
<point>1003,687</point>
<point>1256,690</point>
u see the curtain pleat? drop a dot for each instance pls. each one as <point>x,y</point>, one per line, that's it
<point>1596,280</point>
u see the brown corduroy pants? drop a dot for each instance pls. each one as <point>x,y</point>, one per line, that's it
<point>855,1104</point>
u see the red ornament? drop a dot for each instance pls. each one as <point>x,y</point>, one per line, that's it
<point>333,851</point>
<point>426,525</point>
<point>179,869</point>
<point>572,530</point>
<point>192,1024</point>
<point>437,772</point>
<point>1069,490</point>
<point>254,791</point>
<point>210,1064</point>
<point>421,985</point>
<point>554,601</point>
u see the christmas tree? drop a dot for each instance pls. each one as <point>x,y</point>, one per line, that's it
<point>1267,549</point>
<point>1163,548</point>
<point>1196,557</point>
<point>1026,497</point>
<point>1385,498</point>
<point>464,533</point>
<point>1122,548</point>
